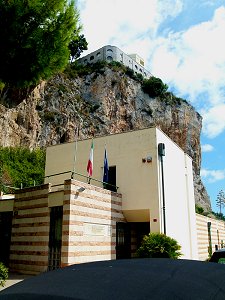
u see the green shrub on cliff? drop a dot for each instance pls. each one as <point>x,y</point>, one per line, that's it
<point>154,87</point>
<point>20,166</point>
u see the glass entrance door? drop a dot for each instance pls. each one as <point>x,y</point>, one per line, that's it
<point>123,240</point>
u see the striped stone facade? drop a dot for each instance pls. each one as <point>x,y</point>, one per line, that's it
<point>217,235</point>
<point>89,223</point>
<point>90,215</point>
<point>30,231</point>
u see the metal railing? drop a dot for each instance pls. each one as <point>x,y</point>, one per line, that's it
<point>89,179</point>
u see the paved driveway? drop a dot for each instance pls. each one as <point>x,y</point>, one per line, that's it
<point>14,278</point>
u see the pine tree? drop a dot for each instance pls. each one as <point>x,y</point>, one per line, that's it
<point>35,36</point>
<point>220,201</point>
<point>76,46</point>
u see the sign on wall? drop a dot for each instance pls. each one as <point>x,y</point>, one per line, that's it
<point>97,229</point>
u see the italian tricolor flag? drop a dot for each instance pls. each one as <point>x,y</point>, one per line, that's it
<point>90,161</point>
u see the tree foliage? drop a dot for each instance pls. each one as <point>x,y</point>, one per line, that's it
<point>220,201</point>
<point>159,245</point>
<point>219,216</point>
<point>154,87</point>
<point>3,274</point>
<point>21,166</point>
<point>34,36</point>
<point>77,45</point>
<point>199,209</point>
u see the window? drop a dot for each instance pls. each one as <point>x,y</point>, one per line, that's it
<point>109,50</point>
<point>109,58</point>
<point>92,57</point>
<point>141,70</point>
<point>136,67</point>
<point>111,186</point>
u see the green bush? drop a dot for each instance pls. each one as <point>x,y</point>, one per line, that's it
<point>154,87</point>
<point>3,274</point>
<point>159,245</point>
<point>2,85</point>
<point>199,209</point>
<point>21,166</point>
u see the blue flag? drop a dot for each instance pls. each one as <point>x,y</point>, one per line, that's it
<point>106,168</point>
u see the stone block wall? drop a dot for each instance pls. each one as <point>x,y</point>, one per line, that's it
<point>217,235</point>
<point>30,231</point>
<point>89,223</point>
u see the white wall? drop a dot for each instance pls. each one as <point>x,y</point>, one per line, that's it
<point>179,196</point>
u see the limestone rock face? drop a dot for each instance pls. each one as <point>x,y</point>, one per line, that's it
<point>100,104</point>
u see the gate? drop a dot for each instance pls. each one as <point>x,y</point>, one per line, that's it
<point>55,238</point>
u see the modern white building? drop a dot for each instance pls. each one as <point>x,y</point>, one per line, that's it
<point>153,175</point>
<point>112,53</point>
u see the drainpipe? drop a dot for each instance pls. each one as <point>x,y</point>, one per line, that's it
<point>209,239</point>
<point>161,153</point>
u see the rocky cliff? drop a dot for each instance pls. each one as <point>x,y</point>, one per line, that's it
<point>100,103</point>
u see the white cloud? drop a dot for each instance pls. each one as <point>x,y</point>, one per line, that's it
<point>194,60</point>
<point>129,25</point>
<point>207,148</point>
<point>212,176</point>
<point>214,121</point>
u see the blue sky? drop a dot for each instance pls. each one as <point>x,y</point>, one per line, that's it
<point>182,42</point>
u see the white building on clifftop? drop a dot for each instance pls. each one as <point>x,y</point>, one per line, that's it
<point>112,53</point>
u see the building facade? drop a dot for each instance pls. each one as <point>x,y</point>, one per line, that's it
<point>75,219</point>
<point>112,53</point>
<point>155,190</point>
<point>42,229</point>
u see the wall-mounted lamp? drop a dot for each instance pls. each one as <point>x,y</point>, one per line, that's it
<point>147,159</point>
<point>80,189</point>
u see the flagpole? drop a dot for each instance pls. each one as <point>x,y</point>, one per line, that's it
<point>90,163</point>
<point>103,170</point>
<point>75,150</point>
<point>105,177</point>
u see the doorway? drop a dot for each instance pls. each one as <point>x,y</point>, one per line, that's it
<point>123,240</point>
<point>5,236</point>
<point>129,237</point>
<point>138,231</point>
<point>55,238</point>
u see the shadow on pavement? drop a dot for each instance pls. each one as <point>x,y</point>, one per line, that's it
<point>13,279</point>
